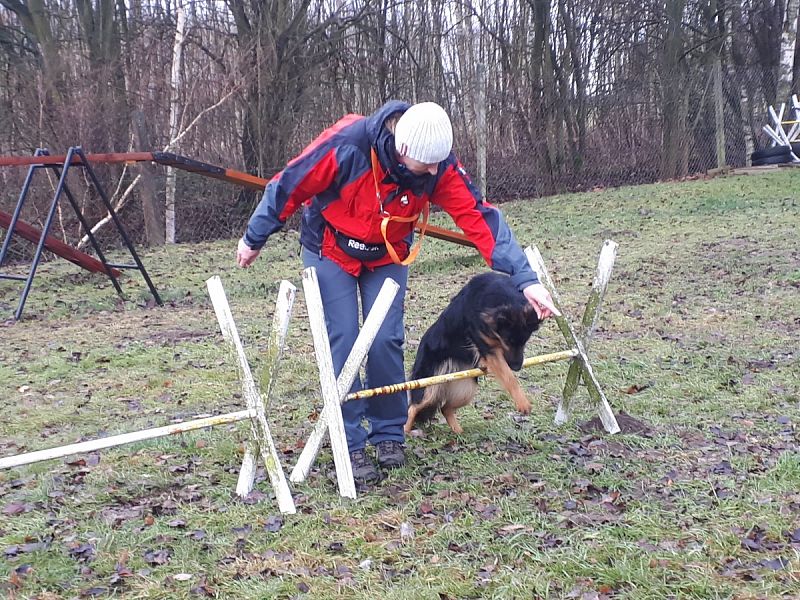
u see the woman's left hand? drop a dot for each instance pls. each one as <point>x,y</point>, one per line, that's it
<point>541,301</point>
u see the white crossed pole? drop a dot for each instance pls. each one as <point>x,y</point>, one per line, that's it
<point>334,390</point>
<point>580,368</point>
<point>262,438</point>
<point>777,133</point>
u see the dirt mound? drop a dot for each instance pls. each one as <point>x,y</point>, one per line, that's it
<point>627,424</point>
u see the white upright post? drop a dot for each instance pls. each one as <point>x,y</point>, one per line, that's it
<point>327,380</point>
<point>262,438</point>
<point>280,327</point>
<point>591,315</point>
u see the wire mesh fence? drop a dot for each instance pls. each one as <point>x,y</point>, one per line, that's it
<point>526,158</point>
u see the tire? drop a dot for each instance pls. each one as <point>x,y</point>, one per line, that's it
<point>773,160</point>
<point>769,153</point>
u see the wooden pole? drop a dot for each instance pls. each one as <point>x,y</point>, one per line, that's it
<point>280,327</point>
<point>124,438</point>
<point>259,427</point>
<point>595,392</point>
<point>327,380</point>
<point>415,384</point>
<point>56,246</point>
<point>591,314</point>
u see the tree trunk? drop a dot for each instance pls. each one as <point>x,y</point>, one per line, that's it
<point>153,225</point>
<point>788,52</point>
<point>675,94</point>
<point>719,112</point>
<point>101,33</point>
<point>579,119</point>
<point>796,76</point>
<point>480,129</point>
<point>716,33</point>
<point>737,75</point>
<point>174,121</point>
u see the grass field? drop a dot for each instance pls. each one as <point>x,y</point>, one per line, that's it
<point>699,338</point>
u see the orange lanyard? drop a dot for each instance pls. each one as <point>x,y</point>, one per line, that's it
<point>377,175</point>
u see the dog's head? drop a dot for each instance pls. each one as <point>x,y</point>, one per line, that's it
<point>508,328</point>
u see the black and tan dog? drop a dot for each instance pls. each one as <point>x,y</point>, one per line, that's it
<point>486,324</point>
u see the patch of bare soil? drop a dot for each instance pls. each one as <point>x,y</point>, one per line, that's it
<point>627,424</point>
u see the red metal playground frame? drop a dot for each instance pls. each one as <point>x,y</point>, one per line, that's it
<point>75,157</point>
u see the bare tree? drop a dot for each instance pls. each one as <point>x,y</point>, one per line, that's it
<point>788,51</point>
<point>175,85</point>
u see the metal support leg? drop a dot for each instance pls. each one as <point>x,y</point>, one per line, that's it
<point>18,208</point>
<point>118,224</point>
<point>45,230</point>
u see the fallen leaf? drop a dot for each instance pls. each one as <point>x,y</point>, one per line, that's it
<point>406,530</point>
<point>273,523</point>
<point>157,557</point>
<point>16,508</point>
<point>637,387</point>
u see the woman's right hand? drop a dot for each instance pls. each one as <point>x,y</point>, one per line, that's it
<point>245,255</point>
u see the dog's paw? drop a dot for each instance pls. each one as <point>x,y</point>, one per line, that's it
<point>523,407</point>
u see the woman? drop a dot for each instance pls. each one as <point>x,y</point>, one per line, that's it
<point>363,184</point>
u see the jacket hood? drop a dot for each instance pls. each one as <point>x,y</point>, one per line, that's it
<point>376,119</point>
<point>382,140</point>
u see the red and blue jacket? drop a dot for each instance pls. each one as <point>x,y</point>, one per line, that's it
<point>333,179</point>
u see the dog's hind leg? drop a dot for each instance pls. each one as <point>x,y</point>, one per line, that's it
<point>496,365</point>
<point>457,394</point>
<point>450,416</point>
<point>413,409</point>
<point>429,399</point>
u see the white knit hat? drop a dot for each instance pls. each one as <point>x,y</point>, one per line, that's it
<point>424,133</point>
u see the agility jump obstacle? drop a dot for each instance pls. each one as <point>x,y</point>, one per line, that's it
<point>261,443</point>
<point>335,390</point>
<point>580,368</point>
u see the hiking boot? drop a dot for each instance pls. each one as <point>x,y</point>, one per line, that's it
<point>390,454</point>
<point>365,473</point>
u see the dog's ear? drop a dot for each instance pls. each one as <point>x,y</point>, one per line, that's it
<point>489,318</point>
<point>502,318</point>
<point>491,321</point>
<point>530,315</point>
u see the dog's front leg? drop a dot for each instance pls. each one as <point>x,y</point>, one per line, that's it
<point>496,365</point>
